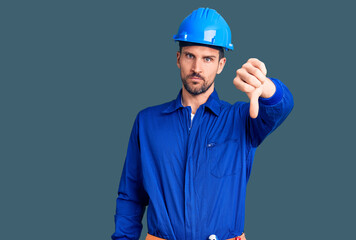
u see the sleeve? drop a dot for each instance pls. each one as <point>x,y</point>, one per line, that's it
<point>132,198</point>
<point>272,112</point>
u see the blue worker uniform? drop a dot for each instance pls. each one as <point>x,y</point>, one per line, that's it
<point>193,174</point>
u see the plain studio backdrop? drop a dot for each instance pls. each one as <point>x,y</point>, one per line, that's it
<point>74,74</point>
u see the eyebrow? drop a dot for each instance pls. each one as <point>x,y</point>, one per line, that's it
<point>186,52</point>
<point>209,57</point>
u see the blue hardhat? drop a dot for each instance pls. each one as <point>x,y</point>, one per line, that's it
<point>205,26</point>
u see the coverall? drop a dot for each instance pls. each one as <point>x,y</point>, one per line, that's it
<point>193,174</point>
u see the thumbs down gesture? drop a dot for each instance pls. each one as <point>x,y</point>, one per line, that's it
<point>251,79</point>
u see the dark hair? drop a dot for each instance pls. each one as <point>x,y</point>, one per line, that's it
<point>186,44</point>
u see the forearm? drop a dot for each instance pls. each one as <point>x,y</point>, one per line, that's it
<point>272,113</point>
<point>132,197</point>
<point>128,219</point>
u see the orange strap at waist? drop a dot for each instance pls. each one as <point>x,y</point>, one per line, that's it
<point>151,237</point>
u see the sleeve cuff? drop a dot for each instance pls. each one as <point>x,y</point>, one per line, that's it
<point>276,97</point>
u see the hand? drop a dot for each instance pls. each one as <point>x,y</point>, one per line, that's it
<point>252,80</point>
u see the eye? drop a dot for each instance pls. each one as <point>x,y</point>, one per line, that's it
<point>189,55</point>
<point>208,59</point>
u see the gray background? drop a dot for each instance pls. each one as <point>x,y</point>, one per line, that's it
<point>74,74</point>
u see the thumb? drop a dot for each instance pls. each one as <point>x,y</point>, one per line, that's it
<point>254,107</point>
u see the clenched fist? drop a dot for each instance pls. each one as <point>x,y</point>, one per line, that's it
<point>251,79</point>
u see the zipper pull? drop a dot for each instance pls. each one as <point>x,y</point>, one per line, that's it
<point>210,145</point>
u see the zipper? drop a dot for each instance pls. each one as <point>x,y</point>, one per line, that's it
<point>190,122</point>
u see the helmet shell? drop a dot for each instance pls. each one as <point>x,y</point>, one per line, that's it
<point>205,26</point>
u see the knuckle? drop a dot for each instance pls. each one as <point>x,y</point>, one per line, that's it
<point>248,65</point>
<point>253,60</point>
<point>236,80</point>
<point>259,64</point>
<point>240,71</point>
<point>255,71</point>
<point>263,65</point>
<point>251,78</point>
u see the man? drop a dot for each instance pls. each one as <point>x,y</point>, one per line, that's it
<point>190,159</point>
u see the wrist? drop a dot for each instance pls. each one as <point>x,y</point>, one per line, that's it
<point>269,88</point>
<point>276,97</point>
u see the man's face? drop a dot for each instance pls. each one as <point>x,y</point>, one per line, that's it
<point>198,67</point>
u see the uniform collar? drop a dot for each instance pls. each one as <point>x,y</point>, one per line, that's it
<point>213,103</point>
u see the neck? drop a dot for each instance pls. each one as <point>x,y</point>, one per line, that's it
<point>194,101</point>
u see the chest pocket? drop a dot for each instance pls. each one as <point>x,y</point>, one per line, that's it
<point>224,158</point>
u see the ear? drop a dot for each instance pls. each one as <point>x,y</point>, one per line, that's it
<point>178,57</point>
<point>221,65</point>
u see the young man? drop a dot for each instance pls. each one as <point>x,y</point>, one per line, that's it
<point>190,159</point>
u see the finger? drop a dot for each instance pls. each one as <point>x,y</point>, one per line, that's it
<point>254,105</point>
<point>254,108</point>
<point>243,86</point>
<point>254,71</point>
<point>248,78</point>
<point>260,65</point>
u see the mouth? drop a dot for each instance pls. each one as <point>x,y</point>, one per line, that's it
<point>196,78</point>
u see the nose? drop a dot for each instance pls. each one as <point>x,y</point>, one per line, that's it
<point>197,66</point>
